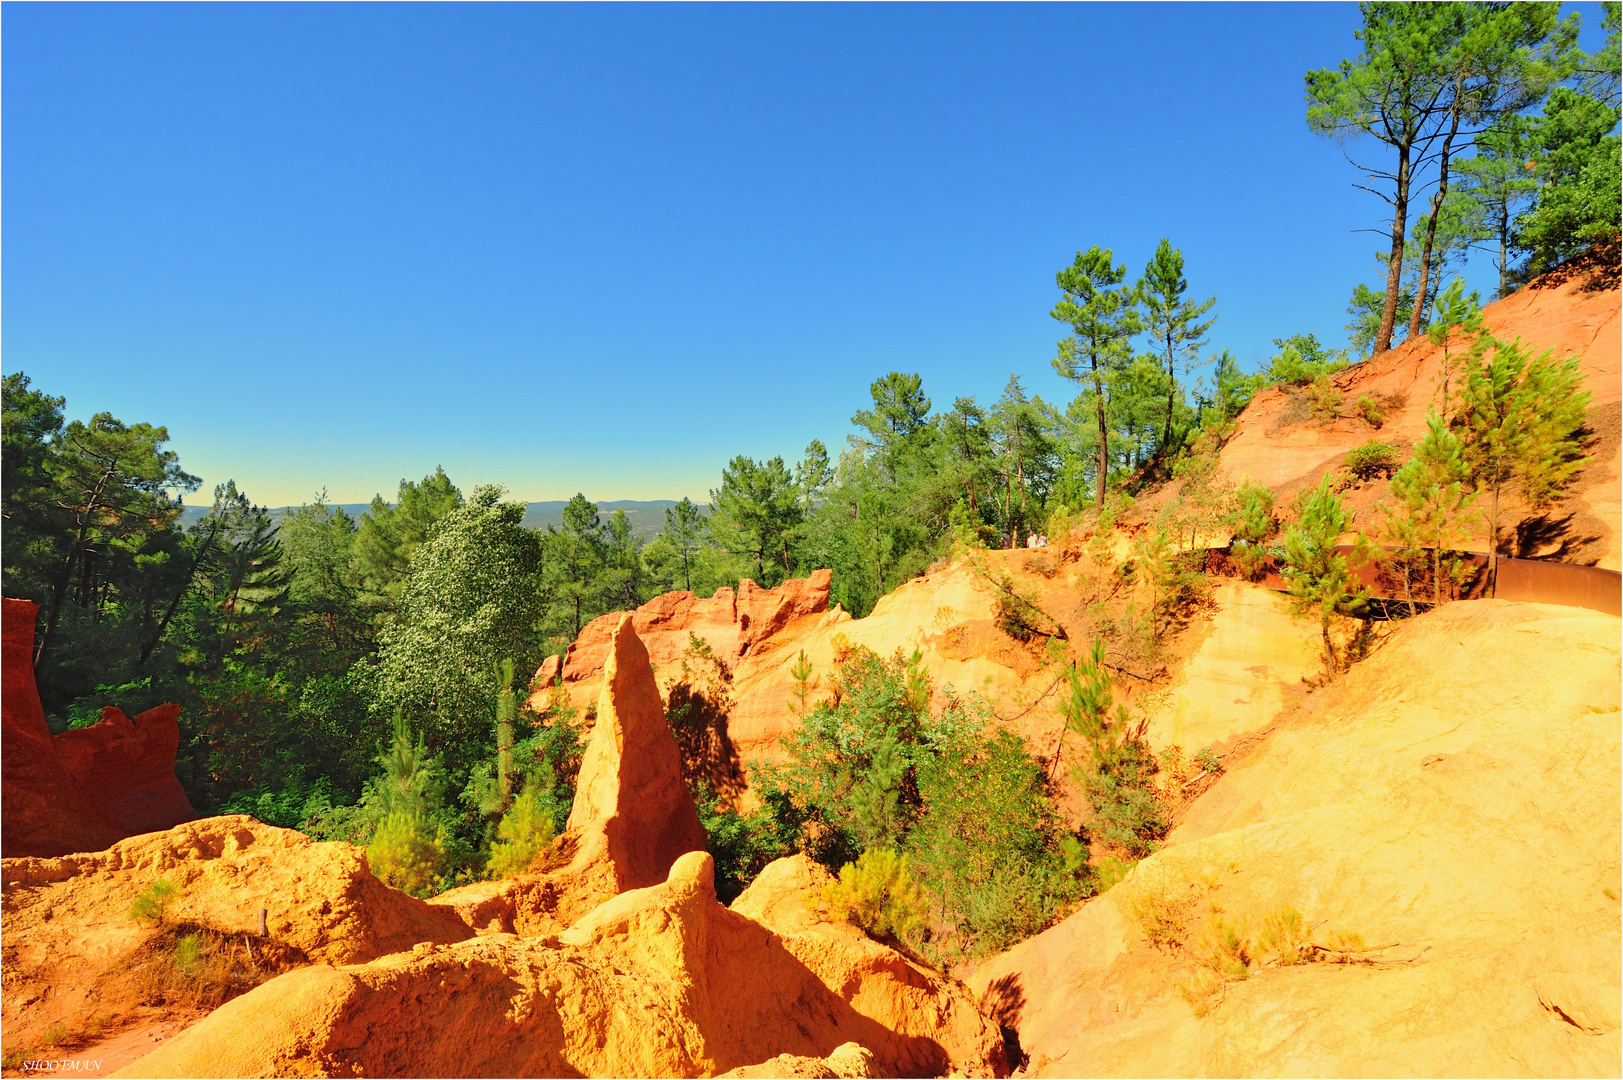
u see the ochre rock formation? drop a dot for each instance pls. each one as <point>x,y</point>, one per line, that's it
<point>661,981</point>
<point>630,784</point>
<point>731,622</point>
<point>1455,800</point>
<point>68,925</point>
<point>848,1062</point>
<point>126,768</point>
<point>874,979</point>
<point>44,810</point>
<point>632,816</point>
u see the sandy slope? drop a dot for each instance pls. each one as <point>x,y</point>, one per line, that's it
<point>1455,797</point>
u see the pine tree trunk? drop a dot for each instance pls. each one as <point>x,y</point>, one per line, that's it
<point>1394,264</point>
<point>1172,390</point>
<point>1020,469</point>
<point>1504,251</point>
<point>1493,544</point>
<point>1431,226</point>
<point>1104,431</point>
<point>58,593</point>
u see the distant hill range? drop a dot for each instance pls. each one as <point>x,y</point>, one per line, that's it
<point>647,518</point>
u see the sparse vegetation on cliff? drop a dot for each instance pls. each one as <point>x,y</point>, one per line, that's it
<point>966,804</point>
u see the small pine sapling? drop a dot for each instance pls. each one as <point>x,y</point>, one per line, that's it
<point>524,832</point>
<point>1321,580</point>
<point>1431,512</point>
<point>152,902</point>
<point>878,894</point>
<point>1254,525</point>
<point>407,853</point>
<point>801,672</point>
<point>1119,775</point>
<point>1521,423</point>
<point>1455,308</point>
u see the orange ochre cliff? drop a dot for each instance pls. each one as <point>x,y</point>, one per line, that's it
<point>82,789</point>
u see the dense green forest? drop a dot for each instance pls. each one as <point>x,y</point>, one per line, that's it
<point>342,674</point>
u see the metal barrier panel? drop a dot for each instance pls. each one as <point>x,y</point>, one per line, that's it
<point>1530,580</point>
<point>1560,583</point>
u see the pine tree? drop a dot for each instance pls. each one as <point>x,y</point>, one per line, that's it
<point>506,716</point>
<point>1321,580</point>
<point>1024,453</point>
<point>1432,508</point>
<point>1499,182</point>
<point>1118,776</point>
<point>388,535</point>
<point>1455,308</point>
<point>1172,321</point>
<point>755,511</point>
<point>576,554</point>
<point>1498,59</point>
<point>685,528</point>
<point>1104,320</point>
<point>1521,424</point>
<point>1254,525</point>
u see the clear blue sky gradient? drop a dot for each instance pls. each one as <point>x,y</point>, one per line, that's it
<point>606,248</point>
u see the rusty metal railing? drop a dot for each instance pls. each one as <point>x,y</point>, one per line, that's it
<point>1530,580</point>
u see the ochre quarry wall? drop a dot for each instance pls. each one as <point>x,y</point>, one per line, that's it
<point>80,790</point>
<point>1277,444</point>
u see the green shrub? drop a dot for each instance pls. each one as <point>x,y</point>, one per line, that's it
<point>1016,612</point>
<point>877,893</point>
<point>871,769</point>
<point>1371,459</point>
<point>1370,410</point>
<point>1109,871</point>
<point>1128,808</point>
<point>1207,761</point>
<point>742,844</point>
<point>153,901</point>
<point>188,954</point>
<point>524,832</point>
<point>407,854</point>
<point>1323,399</point>
<point>1162,910</point>
<point>1301,360</point>
<point>1283,940</point>
<point>1119,775</point>
<point>1225,948</point>
<point>1254,525</point>
<point>988,849</point>
<point>292,804</point>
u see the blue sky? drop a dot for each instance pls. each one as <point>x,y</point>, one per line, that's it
<point>606,248</point>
